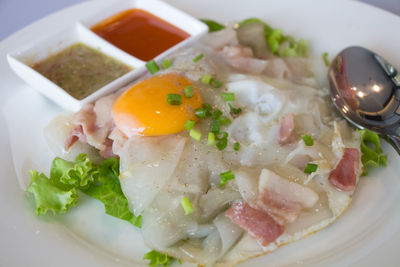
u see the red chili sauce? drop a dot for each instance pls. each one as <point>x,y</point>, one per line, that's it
<point>139,33</point>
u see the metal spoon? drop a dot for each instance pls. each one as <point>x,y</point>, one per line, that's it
<point>366,90</point>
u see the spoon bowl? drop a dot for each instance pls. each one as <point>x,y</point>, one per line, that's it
<point>365,88</point>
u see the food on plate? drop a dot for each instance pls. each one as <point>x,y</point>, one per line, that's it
<point>144,110</point>
<point>139,33</point>
<point>81,70</point>
<point>227,151</point>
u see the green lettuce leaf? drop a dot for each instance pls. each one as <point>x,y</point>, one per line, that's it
<point>372,155</point>
<point>213,26</point>
<point>158,259</point>
<point>49,197</point>
<point>107,189</point>
<point>59,192</point>
<point>79,174</point>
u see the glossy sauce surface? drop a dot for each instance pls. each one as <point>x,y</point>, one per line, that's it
<point>139,33</point>
<point>81,70</point>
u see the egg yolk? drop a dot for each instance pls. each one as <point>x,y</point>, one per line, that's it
<point>143,109</point>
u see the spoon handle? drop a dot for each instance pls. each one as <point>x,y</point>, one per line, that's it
<point>395,142</point>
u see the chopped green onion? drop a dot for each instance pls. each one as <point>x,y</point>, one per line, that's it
<point>289,52</point>
<point>187,205</point>
<point>206,79</point>
<point>221,144</point>
<point>234,111</point>
<point>174,99</point>
<point>308,140</point>
<point>310,168</point>
<point>215,126</point>
<point>198,57</point>
<point>211,139</point>
<point>213,26</point>
<point>166,63</point>
<point>294,48</point>
<point>152,66</point>
<point>225,120</point>
<point>216,84</point>
<point>302,49</point>
<point>279,44</point>
<point>273,41</point>
<point>217,113</point>
<point>189,91</point>
<point>225,177</point>
<point>202,113</point>
<point>222,141</point>
<point>189,125</point>
<point>196,135</point>
<point>236,146</point>
<point>208,107</point>
<point>228,96</point>
<point>325,59</point>
<point>224,135</point>
<point>290,39</point>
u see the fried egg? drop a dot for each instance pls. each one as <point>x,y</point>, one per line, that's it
<point>143,109</point>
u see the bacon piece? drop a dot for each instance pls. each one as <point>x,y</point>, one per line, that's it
<point>118,139</point>
<point>281,198</point>
<point>217,40</point>
<point>85,125</point>
<point>248,64</point>
<point>93,124</point>
<point>241,58</point>
<point>344,176</point>
<point>294,69</point>
<point>276,68</point>
<point>75,135</point>
<point>257,223</point>
<point>72,138</point>
<point>108,149</point>
<point>286,129</point>
<point>237,51</point>
<point>298,68</point>
<point>86,117</point>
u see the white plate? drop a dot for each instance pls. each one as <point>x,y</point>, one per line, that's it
<point>366,235</point>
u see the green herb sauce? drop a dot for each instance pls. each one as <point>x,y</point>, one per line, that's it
<point>81,70</point>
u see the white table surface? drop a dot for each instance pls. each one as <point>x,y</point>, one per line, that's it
<point>16,14</point>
